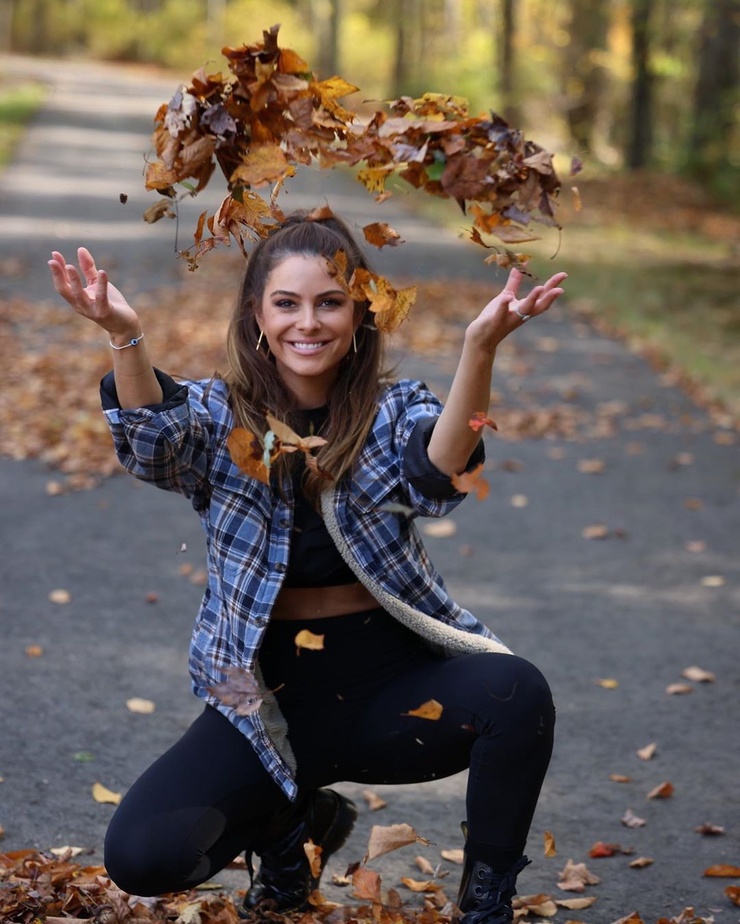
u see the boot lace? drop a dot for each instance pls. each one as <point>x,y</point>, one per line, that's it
<point>493,894</point>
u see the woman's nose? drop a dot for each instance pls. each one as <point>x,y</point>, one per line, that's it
<point>308,319</point>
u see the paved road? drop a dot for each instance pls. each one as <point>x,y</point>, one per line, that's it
<point>634,607</point>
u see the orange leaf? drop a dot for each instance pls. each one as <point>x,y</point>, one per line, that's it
<point>733,893</point>
<point>431,709</point>
<point>472,481</point>
<point>480,419</point>
<point>379,234</point>
<point>313,853</point>
<point>550,849</point>
<point>247,454</point>
<point>662,791</point>
<point>366,884</point>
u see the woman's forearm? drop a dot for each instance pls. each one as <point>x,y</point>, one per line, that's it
<point>453,439</point>
<point>136,383</point>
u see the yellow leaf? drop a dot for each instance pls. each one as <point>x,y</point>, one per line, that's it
<point>608,683</point>
<point>306,639</point>
<point>550,849</point>
<point>374,178</point>
<point>429,710</point>
<point>101,794</point>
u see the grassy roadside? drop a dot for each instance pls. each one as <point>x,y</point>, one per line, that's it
<point>18,103</point>
<point>652,260</point>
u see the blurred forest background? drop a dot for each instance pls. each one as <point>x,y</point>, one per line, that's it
<point>646,93</point>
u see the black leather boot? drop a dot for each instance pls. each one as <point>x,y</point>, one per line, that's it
<point>485,896</point>
<point>285,881</point>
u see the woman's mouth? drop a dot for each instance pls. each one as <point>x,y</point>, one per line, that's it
<point>306,346</point>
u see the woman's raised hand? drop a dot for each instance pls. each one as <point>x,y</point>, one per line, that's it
<point>96,298</point>
<point>506,312</point>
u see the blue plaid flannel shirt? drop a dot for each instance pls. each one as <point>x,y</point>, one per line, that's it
<point>180,445</point>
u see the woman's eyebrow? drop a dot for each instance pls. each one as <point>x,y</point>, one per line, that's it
<point>296,294</point>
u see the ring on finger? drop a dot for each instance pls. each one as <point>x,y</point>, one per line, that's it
<point>524,317</point>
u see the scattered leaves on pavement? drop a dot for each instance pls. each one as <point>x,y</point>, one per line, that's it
<point>662,791</point>
<point>101,793</point>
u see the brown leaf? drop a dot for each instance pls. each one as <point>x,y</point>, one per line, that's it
<point>733,893</point>
<point>240,690</point>
<point>722,870</point>
<point>661,791</point>
<point>161,209</point>
<point>417,885</point>
<point>641,862</point>
<point>385,839</point>
<point>591,466</point>
<point>620,778</point>
<point>34,651</point>
<point>453,856</point>
<point>575,876</point>
<point>709,830</point>
<point>431,710</point>
<point>247,454</point>
<point>313,853</point>
<point>380,234</point>
<point>601,849</point>
<point>576,904</point>
<point>550,849</point>
<point>424,866</point>
<point>366,884</point>
<point>633,918</point>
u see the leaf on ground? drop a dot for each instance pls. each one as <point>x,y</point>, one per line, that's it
<point>373,800</point>
<point>240,690</point>
<point>679,689</point>
<point>550,848</point>
<point>60,596</point>
<point>641,862</point>
<point>34,651</point>
<point>424,866</point>
<point>431,710</point>
<point>733,893</point>
<point>440,529</point>
<point>591,466</point>
<point>723,870</point>
<point>102,794</point>
<point>662,791</point>
<point>648,752</point>
<point>596,531</point>
<point>574,877</point>
<point>576,904</point>
<point>66,853</point>
<point>309,640</point>
<point>519,500</point>
<point>620,778</point>
<point>632,918</point>
<point>695,546</point>
<point>418,885</point>
<point>713,580</point>
<point>608,683</point>
<point>709,830</point>
<point>698,675</point>
<point>601,849</point>
<point>140,706</point>
<point>630,820</point>
<point>386,839</point>
<point>541,905</point>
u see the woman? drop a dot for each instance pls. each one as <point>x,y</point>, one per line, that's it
<point>321,547</point>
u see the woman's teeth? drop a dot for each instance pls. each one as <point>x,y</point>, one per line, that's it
<point>308,347</point>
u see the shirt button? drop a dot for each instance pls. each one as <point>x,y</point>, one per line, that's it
<point>281,567</point>
<point>284,522</point>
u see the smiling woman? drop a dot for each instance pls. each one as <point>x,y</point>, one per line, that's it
<point>327,540</point>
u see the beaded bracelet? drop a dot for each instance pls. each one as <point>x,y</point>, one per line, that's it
<point>131,343</point>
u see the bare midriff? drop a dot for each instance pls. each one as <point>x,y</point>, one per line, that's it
<point>322,602</point>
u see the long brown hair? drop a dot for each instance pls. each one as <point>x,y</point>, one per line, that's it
<point>254,383</point>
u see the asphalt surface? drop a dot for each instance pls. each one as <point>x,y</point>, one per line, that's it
<point>635,607</point>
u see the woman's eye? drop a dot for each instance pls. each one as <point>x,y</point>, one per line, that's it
<point>284,303</point>
<point>331,303</point>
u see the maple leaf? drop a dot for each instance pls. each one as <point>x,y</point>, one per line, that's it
<point>240,690</point>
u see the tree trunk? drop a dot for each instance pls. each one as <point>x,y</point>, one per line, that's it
<point>716,92</point>
<point>327,19</point>
<point>641,136</point>
<point>507,80</point>
<point>404,11</point>
<point>586,73</point>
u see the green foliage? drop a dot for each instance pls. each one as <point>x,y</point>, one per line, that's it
<point>17,105</point>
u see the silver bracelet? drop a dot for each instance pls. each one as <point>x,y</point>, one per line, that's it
<point>131,343</point>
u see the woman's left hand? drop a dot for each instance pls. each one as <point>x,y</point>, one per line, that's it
<point>506,312</point>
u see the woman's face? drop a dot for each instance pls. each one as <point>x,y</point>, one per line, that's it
<point>308,322</point>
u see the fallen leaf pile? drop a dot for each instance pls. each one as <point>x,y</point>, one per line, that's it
<point>273,114</point>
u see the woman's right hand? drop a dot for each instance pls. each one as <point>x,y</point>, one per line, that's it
<point>97,299</point>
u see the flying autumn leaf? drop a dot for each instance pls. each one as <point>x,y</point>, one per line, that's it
<point>608,683</point>
<point>480,419</point>
<point>472,482</point>
<point>431,709</point>
<point>366,884</point>
<point>456,855</point>
<point>34,651</point>
<point>385,839</point>
<point>373,800</point>
<point>440,529</point>
<point>416,885</point>
<point>550,849</point>
<point>306,639</point>
<point>380,234</point>
<point>247,453</point>
<point>597,531</point>
<point>240,690</point>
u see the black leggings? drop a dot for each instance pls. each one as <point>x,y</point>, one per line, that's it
<point>209,797</point>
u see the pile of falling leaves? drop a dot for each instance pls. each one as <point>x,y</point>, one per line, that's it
<point>272,114</point>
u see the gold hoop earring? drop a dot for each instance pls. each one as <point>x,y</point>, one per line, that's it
<point>259,340</point>
<point>354,341</point>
